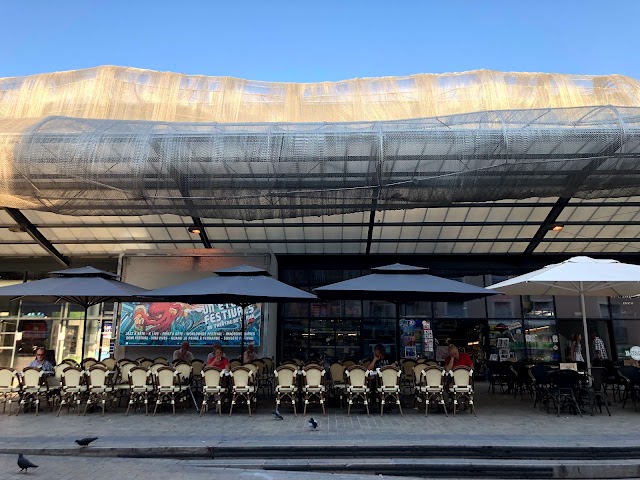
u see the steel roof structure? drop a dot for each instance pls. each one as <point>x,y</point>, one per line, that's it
<point>488,182</point>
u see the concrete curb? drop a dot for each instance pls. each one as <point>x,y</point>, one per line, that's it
<point>338,451</point>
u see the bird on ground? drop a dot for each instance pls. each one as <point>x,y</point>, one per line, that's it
<point>276,415</point>
<point>25,464</point>
<point>84,442</point>
<point>313,424</point>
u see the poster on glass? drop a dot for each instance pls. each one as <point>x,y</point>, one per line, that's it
<point>171,323</point>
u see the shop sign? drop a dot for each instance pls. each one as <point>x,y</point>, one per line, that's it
<point>634,353</point>
<point>164,323</point>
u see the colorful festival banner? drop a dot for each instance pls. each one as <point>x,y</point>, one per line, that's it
<point>163,323</point>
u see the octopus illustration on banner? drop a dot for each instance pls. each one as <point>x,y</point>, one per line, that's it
<point>171,323</point>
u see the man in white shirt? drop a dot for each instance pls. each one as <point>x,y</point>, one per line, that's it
<point>183,353</point>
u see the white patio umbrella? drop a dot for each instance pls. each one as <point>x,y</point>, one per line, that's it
<point>583,276</point>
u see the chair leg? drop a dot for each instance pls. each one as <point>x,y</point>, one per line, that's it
<point>399,405</point>
<point>575,402</point>
<point>381,406</point>
<point>366,404</point>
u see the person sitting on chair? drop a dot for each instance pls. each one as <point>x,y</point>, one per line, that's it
<point>249,355</point>
<point>41,363</point>
<point>379,358</point>
<point>213,352</point>
<point>183,353</point>
<point>456,359</point>
<point>219,360</point>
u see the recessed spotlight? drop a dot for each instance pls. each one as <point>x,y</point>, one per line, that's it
<point>195,229</point>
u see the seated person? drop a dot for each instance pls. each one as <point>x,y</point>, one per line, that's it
<point>213,352</point>
<point>379,358</point>
<point>41,363</point>
<point>219,360</point>
<point>456,359</point>
<point>183,353</point>
<point>249,355</point>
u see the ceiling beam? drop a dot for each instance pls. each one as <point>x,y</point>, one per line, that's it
<point>112,241</point>
<point>34,233</point>
<point>551,218</point>
<point>372,220</point>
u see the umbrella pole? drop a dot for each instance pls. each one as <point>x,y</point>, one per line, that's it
<point>100,334</point>
<point>584,326</point>
<point>398,334</point>
<point>84,330</point>
<point>242,337</point>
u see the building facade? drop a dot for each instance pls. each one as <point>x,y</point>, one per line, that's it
<point>477,176</point>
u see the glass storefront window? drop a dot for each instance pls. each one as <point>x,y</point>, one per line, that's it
<point>375,309</point>
<point>538,328</point>
<point>569,306</point>
<point>43,310</point>
<point>295,338</point>
<point>506,340</point>
<point>76,311</point>
<point>422,309</point>
<point>450,309</point>
<point>353,308</point>
<point>296,309</point>
<point>375,331</point>
<point>624,307</point>
<point>542,340</point>
<point>295,277</point>
<point>627,336</point>
<point>537,306</point>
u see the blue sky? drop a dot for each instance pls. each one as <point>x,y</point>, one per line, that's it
<point>306,41</point>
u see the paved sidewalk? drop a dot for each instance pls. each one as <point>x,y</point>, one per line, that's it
<point>502,421</point>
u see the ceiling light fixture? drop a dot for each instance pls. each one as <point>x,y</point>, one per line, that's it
<point>17,228</point>
<point>557,228</point>
<point>195,229</point>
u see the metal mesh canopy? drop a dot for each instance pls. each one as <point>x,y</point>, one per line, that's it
<point>269,170</point>
<point>122,93</point>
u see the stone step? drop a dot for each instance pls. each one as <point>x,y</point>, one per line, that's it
<point>442,467</point>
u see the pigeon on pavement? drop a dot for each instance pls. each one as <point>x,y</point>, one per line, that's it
<point>84,442</point>
<point>276,415</point>
<point>25,464</point>
<point>313,424</point>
